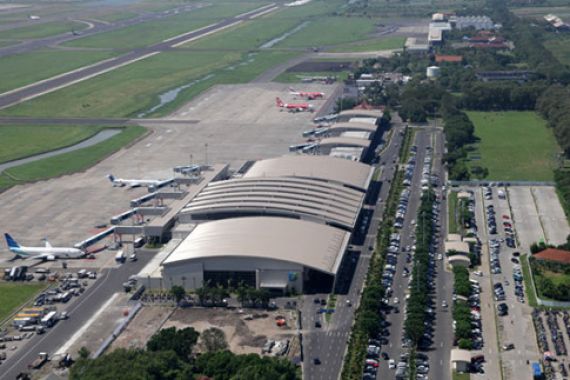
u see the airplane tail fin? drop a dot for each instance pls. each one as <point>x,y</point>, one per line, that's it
<point>11,242</point>
<point>111,177</point>
<point>279,102</point>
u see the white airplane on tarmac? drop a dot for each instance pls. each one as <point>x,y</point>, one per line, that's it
<point>138,182</point>
<point>47,253</point>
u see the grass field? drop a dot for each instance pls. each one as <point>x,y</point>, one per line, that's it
<point>514,145</point>
<point>69,162</point>
<point>112,17</point>
<point>22,69</point>
<point>326,31</point>
<point>242,72</point>
<point>246,36</point>
<point>528,287</point>
<point>385,43</point>
<point>41,30</point>
<point>296,77</point>
<point>155,31</point>
<point>135,88</point>
<point>25,140</point>
<point>13,295</point>
<point>460,376</point>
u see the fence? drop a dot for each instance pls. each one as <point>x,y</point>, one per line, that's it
<point>118,330</point>
<point>499,183</point>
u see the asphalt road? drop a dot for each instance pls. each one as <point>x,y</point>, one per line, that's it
<point>38,88</point>
<point>400,283</point>
<point>98,27</point>
<point>109,282</point>
<point>439,356</point>
<point>329,343</point>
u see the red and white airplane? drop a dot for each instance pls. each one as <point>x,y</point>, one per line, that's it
<point>297,107</point>
<point>305,94</point>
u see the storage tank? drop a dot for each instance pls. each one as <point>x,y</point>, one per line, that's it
<point>433,72</point>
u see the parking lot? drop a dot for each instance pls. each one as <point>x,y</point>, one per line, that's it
<point>513,315</point>
<point>48,309</point>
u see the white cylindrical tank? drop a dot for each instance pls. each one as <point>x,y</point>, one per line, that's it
<point>433,72</point>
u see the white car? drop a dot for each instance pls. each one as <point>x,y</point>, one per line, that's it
<point>478,273</point>
<point>396,300</point>
<point>391,364</point>
<point>444,304</point>
<point>440,256</point>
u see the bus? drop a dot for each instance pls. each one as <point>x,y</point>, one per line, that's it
<point>49,319</point>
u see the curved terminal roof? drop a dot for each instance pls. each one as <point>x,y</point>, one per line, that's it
<point>312,245</point>
<point>353,126</point>
<point>361,113</point>
<point>299,197</point>
<point>323,168</point>
<point>345,141</point>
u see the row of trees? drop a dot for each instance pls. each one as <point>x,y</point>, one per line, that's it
<point>554,106</point>
<point>461,310</point>
<point>420,296</point>
<point>459,132</point>
<point>368,317</point>
<point>168,356</point>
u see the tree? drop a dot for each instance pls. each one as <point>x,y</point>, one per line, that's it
<point>180,341</point>
<point>214,339</point>
<point>177,292</point>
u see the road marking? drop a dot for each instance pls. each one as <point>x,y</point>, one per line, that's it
<point>63,349</point>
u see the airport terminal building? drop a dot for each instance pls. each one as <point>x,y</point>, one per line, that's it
<point>284,225</point>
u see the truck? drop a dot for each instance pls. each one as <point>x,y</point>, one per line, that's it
<point>120,257</point>
<point>40,361</point>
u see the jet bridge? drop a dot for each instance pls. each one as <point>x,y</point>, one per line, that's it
<point>95,238</point>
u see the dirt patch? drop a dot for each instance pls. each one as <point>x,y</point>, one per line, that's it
<point>319,66</point>
<point>147,321</point>
<point>246,331</point>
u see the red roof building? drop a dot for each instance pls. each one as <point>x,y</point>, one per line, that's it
<point>553,254</point>
<point>448,58</point>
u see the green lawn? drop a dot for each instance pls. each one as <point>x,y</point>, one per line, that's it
<point>42,30</point>
<point>13,295</point>
<point>147,33</point>
<point>514,145</point>
<point>452,201</point>
<point>385,43</point>
<point>22,69</point>
<point>460,376</point>
<point>247,35</point>
<point>25,140</point>
<point>245,70</point>
<point>127,90</point>
<point>529,289</point>
<point>70,162</point>
<point>132,89</point>
<point>325,31</point>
